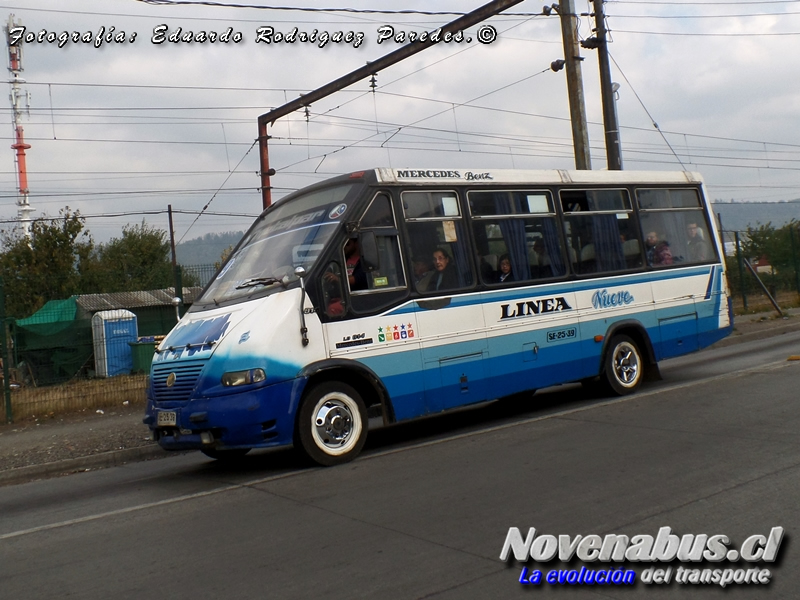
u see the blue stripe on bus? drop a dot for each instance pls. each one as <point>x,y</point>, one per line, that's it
<point>473,298</point>
<point>710,282</point>
<point>510,364</point>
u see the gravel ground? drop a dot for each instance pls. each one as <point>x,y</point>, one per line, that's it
<point>116,434</point>
<point>43,440</point>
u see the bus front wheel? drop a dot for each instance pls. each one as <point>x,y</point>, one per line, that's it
<point>332,424</point>
<point>624,367</point>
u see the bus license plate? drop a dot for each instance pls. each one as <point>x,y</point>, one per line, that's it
<point>167,419</point>
<point>562,334</point>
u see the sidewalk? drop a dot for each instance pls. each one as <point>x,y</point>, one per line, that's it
<point>50,446</point>
<point>46,446</point>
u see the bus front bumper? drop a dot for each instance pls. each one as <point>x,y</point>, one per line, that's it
<point>261,418</point>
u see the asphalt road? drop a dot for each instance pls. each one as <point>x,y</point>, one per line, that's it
<point>713,448</point>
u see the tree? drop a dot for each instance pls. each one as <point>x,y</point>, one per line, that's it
<point>45,267</point>
<point>223,257</point>
<point>775,244</point>
<point>139,260</point>
<point>779,246</point>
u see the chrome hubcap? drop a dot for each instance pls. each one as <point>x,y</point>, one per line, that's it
<point>626,364</point>
<point>333,422</point>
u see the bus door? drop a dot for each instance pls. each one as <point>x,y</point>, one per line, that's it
<point>449,319</point>
<point>375,324</point>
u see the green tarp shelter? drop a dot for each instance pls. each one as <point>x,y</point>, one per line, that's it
<point>54,342</point>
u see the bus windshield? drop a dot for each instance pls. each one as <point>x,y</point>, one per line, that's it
<point>289,236</point>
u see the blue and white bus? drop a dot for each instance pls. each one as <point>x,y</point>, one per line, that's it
<point>407,292</point>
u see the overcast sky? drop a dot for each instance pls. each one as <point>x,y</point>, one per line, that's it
<point>136,126</point>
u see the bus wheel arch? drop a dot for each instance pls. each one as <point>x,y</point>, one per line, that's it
<point>360,377</point>
<point>332,416</point>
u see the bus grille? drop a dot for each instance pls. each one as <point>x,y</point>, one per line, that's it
<point>186,375</point>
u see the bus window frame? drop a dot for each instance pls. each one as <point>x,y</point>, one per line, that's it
<point>633,217</point>
<point>463,216</point>
<point>385,231</point>
<point>553,214</point>
<point>703,210</point>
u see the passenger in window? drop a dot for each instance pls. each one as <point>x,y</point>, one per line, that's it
<point>657,250</point>
<point>697,250</point>
<point>422,272</point>
<point>545,269</point>
<point>504,273</point>
<point>356,276</point>
<point>332,291</point>
<point>650,243</point>
<point>445,276</point>
<point>488,273</point>
<point>663,255</point>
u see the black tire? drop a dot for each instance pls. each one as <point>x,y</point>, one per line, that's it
<point>230,454</point>
<point>332,423</point>
<point>623,366</point>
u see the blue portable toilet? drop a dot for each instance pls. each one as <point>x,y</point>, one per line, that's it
<point>112,330</point>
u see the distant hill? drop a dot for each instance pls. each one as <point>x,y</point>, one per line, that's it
<point>738,216</point>
<point>208,249</point>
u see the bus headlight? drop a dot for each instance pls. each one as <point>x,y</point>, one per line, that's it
<point>234,378</point>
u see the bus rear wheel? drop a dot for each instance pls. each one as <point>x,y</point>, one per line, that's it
<point>624,367</point>
<point>332,424</point>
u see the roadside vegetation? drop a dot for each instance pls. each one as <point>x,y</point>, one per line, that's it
<point>61,259</point>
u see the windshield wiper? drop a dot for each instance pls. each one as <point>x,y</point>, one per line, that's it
<point>258,281</point>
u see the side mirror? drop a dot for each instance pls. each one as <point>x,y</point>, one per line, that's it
<point>369,251</point>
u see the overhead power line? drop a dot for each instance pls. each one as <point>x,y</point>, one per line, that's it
<point>737,35</point>
<point>695,3</point>
<point>718,16</point>
<point>138,213</point>
<point>362,11</point>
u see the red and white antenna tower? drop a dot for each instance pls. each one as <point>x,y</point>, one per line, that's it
<point>18,96</point>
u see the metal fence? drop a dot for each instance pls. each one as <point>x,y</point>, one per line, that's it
<point>755,285</point>
<point>199,275</point>
<point>86,352</point>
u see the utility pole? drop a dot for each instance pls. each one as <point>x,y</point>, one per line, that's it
<point>600,42</point>
<point>577,106</point>
<point>176,270</point>
<point>17,96</point>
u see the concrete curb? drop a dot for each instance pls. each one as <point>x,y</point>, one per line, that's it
<point>767,332</point>
<point>112,458</point>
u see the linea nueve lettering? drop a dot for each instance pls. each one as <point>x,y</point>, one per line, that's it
<point>534,307</point>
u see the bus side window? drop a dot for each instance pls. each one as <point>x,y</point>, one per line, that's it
<point>385,283</point>
<point>674,217</point>
<point>441,250</point>
<point>388,273</point>
<point>598,224</point>
<point>516,234</point>
<point>437,239</point>
<point>332,291</point>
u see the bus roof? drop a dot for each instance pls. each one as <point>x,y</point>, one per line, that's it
<point>517,176</point>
